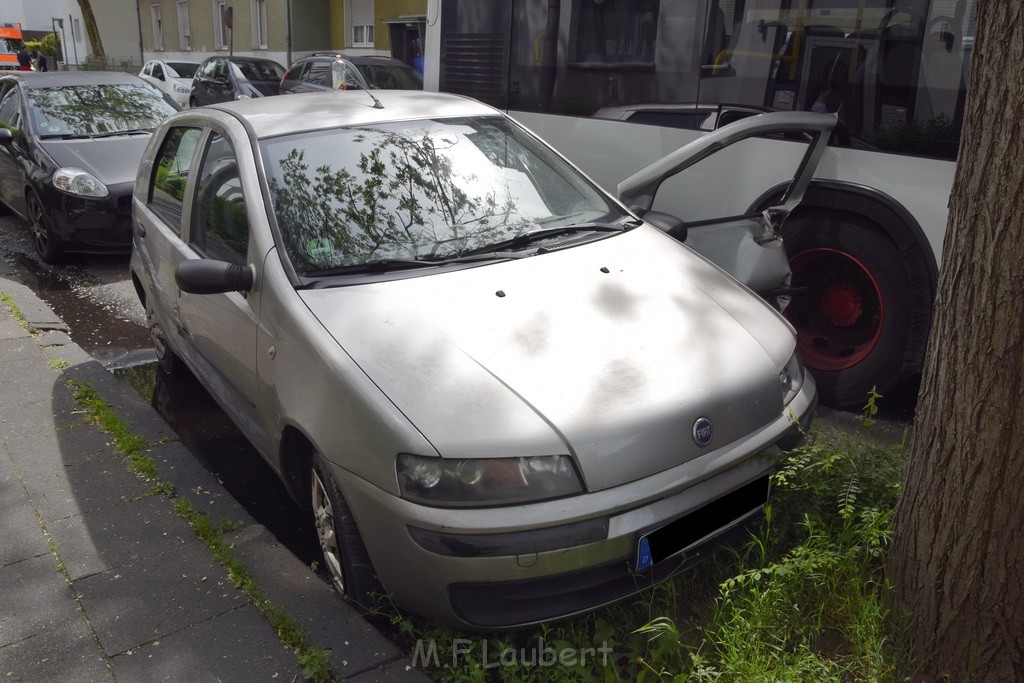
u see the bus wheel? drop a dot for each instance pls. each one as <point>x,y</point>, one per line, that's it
<point>853,321</point>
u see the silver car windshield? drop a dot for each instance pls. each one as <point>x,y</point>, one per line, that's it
<point>419,190</point>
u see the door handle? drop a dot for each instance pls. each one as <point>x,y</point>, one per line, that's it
<point>141,229</point>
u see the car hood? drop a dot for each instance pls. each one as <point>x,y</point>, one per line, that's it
<point>608,351</point>
<point>112,160</point>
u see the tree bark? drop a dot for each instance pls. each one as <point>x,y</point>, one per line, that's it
<point>957,560</point>
<point>91,29</point>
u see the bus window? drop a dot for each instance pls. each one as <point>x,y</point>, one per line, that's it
<point>895,74</point>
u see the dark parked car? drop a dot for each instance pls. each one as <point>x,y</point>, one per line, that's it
<point>326,71</point>
<point>70,145</point>
<point>222,79</point>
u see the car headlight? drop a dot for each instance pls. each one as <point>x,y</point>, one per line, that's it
<point>76,181</point>
<point>181,89</point>
<point>791,378</point>
<point>483,482</point>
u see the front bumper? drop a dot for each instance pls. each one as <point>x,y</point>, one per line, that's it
<point>93,225</point>
<point>499,568</point>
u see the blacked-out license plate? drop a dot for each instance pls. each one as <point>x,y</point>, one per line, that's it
<point>716,516</point>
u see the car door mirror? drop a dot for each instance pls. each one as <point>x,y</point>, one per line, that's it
<point>666,222</point>
<point>205,276</point>
<point>6,137</point>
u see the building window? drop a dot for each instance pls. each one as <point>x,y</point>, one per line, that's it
<point>76,29</point>
<point>221,35</point>
<point>362,36</point>
<point>616,31</point>
<point>259,24</point>
<point>158,29</point>
<point>184,33</point>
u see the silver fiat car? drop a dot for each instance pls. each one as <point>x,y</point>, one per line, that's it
<point>504,397</point>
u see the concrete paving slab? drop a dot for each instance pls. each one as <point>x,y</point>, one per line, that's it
<point>112,537</point>
<point>330,622</point>
<point>196,484</point>
<point>59,491</point>
<point>42,600</point>
<point>22,536</point>
<point>176,590</point>
<point>236,646</point>
<point>124,400</point>
<point>31,384</point>
<point>402,670</point>
<point>10,328</point>
<point>66,652</point>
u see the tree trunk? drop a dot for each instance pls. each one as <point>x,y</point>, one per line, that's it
<point>957,561</point>
<point>91,30</point>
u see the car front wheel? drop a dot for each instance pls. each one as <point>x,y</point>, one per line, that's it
<point>345,556</point>
<point>43,236</point>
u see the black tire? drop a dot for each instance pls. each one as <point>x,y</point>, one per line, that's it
<point>853,323</point>
<point>43,238</point>
<point>345,556</point>
<point>192,103</point>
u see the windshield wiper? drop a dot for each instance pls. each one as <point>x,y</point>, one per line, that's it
<point>527,238</point>
<point>375,266</point>
<point>426,261</point>
<point>130,131</point>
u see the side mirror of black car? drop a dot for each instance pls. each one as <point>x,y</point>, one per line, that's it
<point>665,222</point>
<point>6,136</point>
<point>205,276</point>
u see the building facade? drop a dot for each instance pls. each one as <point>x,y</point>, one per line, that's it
<point>282,30</point>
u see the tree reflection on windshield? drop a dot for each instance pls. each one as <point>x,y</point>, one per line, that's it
<point>96,109</point>
<point>423,189</point>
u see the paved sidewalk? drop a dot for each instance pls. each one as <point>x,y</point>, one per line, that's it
<point>100,579</point>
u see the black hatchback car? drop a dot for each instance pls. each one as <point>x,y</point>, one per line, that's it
<point>70,147</point>
<point>222,79</point>
<point>327,71</point>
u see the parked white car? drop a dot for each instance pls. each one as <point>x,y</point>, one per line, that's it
<point>174,78</point>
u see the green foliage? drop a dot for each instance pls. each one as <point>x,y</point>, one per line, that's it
<point>51,47</point>
<point>870,408</point>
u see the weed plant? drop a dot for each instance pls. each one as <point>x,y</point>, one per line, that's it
<point>804,600</point>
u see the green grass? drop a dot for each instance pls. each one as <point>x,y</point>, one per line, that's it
<point>15,311</point>
<point>805,600</point>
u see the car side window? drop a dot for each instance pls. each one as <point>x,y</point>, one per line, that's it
<point>10,110</point>
<point>158,72</point>
<point>220,223</point>
<point>147,70</point>
<point>167,192</point>
<point>207,69</point>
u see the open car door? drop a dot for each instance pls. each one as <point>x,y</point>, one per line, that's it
<point>747,246</point>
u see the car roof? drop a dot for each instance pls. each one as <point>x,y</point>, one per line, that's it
<point>302,112</point>
<point>60,79</point>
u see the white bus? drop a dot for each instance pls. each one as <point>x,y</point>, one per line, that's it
<point>617,84</point>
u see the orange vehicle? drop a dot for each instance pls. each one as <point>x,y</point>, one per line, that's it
<point>11,40</point>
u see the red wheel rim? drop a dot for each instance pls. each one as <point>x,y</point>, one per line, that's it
<point>839,318</point>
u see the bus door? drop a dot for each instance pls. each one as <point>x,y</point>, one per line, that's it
<point>746,245</point>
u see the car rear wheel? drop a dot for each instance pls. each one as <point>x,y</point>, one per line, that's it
<point>166,359</point>
<point>192,104</point>
<point>853,322</point>
<point>43,238</point>
<point>345,556</point>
